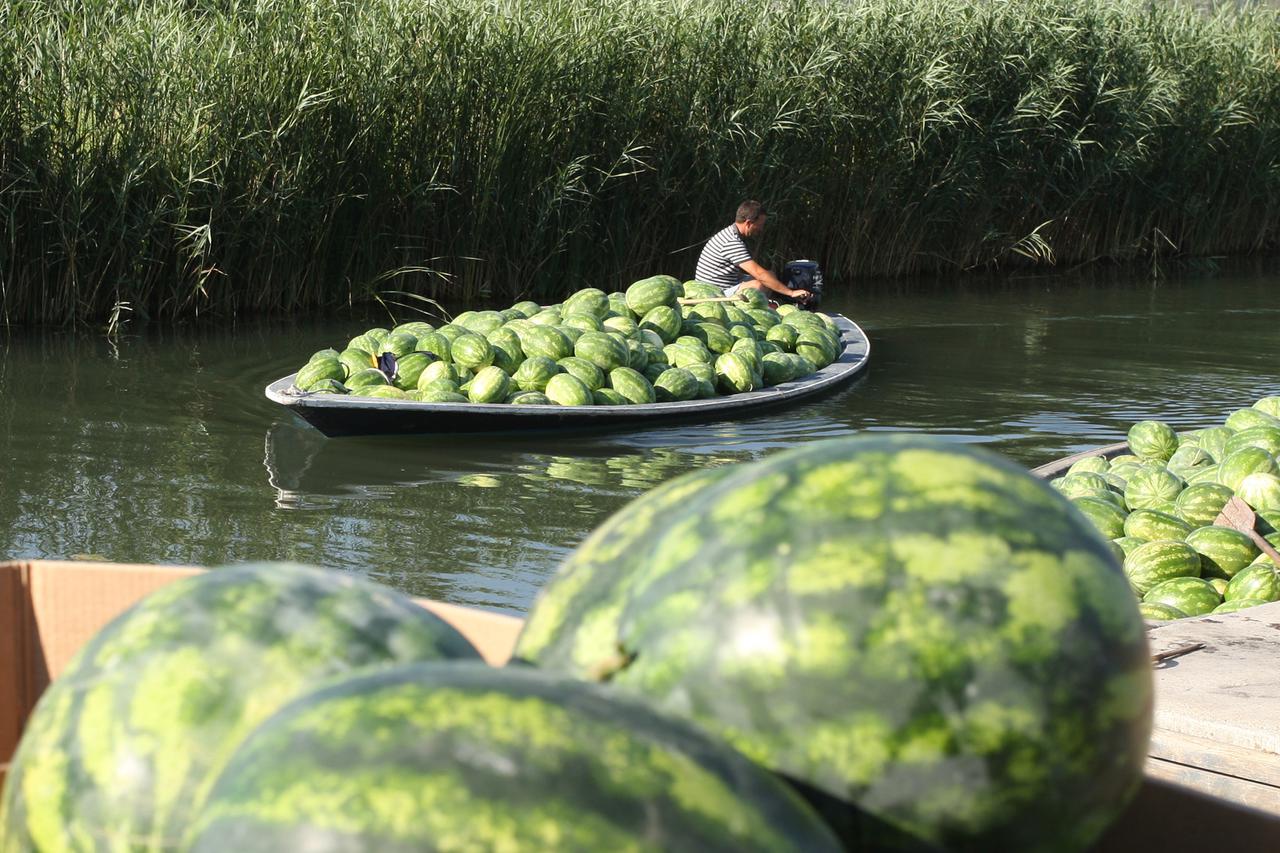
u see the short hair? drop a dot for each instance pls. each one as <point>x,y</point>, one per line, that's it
<point>749,210</point>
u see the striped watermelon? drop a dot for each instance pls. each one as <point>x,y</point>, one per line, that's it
<point>1199,503</point>
<point>565,389</point>
<point>1152,487</point>
<point>645,295</point>
<point>1080,483</point>
<point>1156,612</point>
<point>547,341</point>
<point>602,350</point>
<point>409,369</point>
<point>590,301</point>
<point>535,372</point>
<point>674,384</point>
<point>1193,596</point>
<point>369,377</point>
<point>472,351</point>
<point>1242,419</point>
<point>399,344</point>
<point>664,321</point>
<point>733,373</point>
<point>1265,437</point>
<point>586,372</point>
<point>1237,604</point>
<point>1223,551</point>
<point>489,385</point>
<point>1245,461</point>
<point>1152,524</point>
<point>1153,440</point>
<point>123,747</point>
<point>714,337</point>
<point>529,398</point>
<point>608,397</point>
<point>902,625</point>
<point>1092,464</point>
<point>1129,543</point>
<point>451,756</point>
<point>1108,518</point>
<point>1160,560</point>
<point>382,392</point>
<point>317,371</point>
<point>1261,580</point>
<point>777,368</point>
<point>632,385</point>
<point>1260,491</point>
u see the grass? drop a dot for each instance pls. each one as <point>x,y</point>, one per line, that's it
<point>193,158</point>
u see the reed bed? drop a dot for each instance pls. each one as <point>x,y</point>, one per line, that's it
<point>185,158</point>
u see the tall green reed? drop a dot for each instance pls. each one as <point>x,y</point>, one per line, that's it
<point>214,157</point>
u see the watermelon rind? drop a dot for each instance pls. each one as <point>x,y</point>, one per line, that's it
<point>1193,596</point>
<point>123,747</point>
<point>1160,560</point>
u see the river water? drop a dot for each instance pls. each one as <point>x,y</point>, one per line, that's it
<point>159,447</point>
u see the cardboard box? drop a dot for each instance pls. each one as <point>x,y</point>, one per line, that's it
<point>49,609</point>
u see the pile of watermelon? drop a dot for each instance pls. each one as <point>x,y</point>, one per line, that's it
<point>1157,505</point>
<point>878,642</point>
<point>594,349</point>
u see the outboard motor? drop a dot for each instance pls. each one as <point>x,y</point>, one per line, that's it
<point>803,275</point>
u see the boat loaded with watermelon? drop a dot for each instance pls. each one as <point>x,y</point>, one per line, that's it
<point>660,351</point>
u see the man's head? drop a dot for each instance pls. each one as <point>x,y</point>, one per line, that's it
<point>751,218</point>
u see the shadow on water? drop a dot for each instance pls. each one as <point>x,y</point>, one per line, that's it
<point>162,447</point>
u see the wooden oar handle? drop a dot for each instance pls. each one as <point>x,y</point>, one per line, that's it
<point>1267,547</point>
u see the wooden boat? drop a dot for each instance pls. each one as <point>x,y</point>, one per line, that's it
<point>1058,467</point>
<point>337,415</point>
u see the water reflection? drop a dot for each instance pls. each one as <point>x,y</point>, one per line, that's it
<point>163,449</point>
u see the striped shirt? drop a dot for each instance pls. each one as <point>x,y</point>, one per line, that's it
<point>718,263</point>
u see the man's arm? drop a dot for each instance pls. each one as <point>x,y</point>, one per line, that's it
<point>770,281</point>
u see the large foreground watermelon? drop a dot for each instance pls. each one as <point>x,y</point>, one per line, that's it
<point>454,756</point>
<point>123,747</point>
<point>934,645</point>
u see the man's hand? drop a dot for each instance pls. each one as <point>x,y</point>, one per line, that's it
<point>802,295</point>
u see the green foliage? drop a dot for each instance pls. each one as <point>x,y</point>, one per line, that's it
<point>176,158</point>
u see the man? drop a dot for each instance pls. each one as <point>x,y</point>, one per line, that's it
<point>726,262</point>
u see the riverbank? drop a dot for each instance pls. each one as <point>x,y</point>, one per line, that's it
<point>172,159</point>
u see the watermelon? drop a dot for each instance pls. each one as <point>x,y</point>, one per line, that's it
<point>1219,584</point>
<point>1152,487</point>
<point>818,347</point>
<point>733,373</point>
<point>1093,464</point>
<point>624,326</point>
<point>1188,458</point>
<point>804,367</point>
<point>472,351</point>
<point>706,376</point>
<point>1213,440</point>
<point>1223,551</point>
<point>581,322</point>
<point>440,395</point>
<point>700,290</point>
<point>417,328</point>
<point>436,386</point>
<point>905,627</point>
<point>438,370</point>
<point>572,333</point>
<point>125,744</point>
<point>608,397</point>
<point>547,317</point>
<point>1081,483</point>
<point>683,355</point>
<point>675,384</point>
<point>316,371</point>
<point>367,378</point>
<point>631,385</point>
<point>1260,491</point>
<point>1265,437</point>
<point>1108,518</point>
<point>602,350</point>
<point>565,389</point>
<point>466,757</point>
<point>1199,503</point>
<point>783,335</point>
<point>480,322</point>
<point>451,332</point>
<point>547,341</point>
<point>590,301</point>
<point>664,321</point>
<point>637,358</point>
<point>490,385</point>
<point>365,343</point>
<point>1153,440</point>
<point>765,317</point>
<point>1268,405</point>
<point>1242,419</point>
<point>382,392</point>
<point>1129,543</point>
<point>1237,604</point>
<point>399,343</point>
<point>777,368</point>
<point>1152,524</point>
<point>356,359</point>
<point>1160,560</point>
<point>535,372</point>
<point>588,373</point>
<point>1245,461</point>
<point>645,295</point>
<point>528,398</point>
<point>507,350</point>
<point>715,338</point>
<point>1159,612</point>
<point>1193,596</point>
<point>1261,580</point>
<point>436,344</point>
<point>409,369</point>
